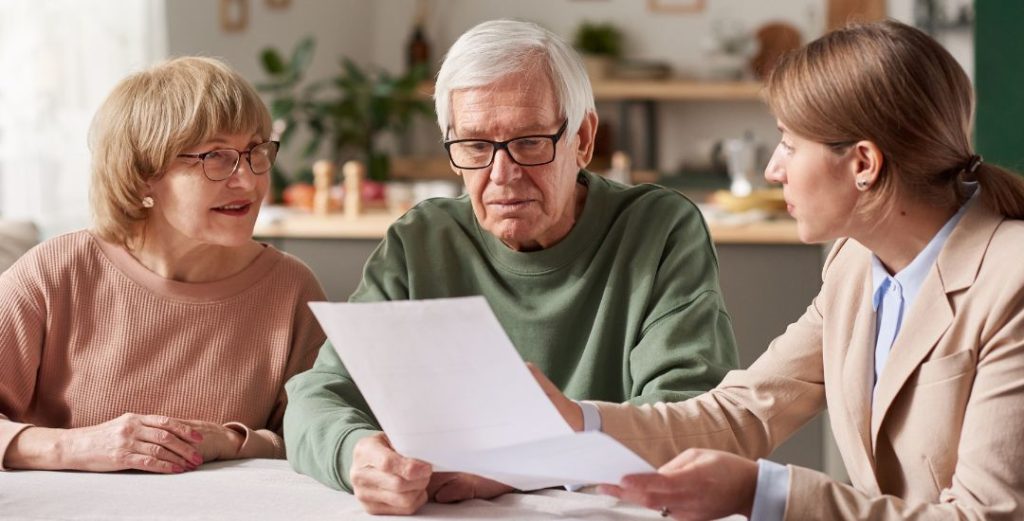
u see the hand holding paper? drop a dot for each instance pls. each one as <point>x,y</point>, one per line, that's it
<point>448,387</point>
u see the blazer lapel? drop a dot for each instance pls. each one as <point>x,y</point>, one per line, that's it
<point>857,376</point>
<point>925,324</point>
<point>955,270</point>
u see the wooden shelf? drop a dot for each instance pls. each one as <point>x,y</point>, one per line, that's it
<point>664,90</point>
<point>676,90</point>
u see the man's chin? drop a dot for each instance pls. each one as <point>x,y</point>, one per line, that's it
<point>518,234</point>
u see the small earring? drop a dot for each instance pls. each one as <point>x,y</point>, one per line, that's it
<point>862,184</point>
<point>147,202</point>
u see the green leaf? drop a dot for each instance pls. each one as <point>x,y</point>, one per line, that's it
<point>281,107</point>
<point>302,56</point>
<point>272,61</point>
<point>353,71</point>
<point>312,147</point>
<point>289,129</point>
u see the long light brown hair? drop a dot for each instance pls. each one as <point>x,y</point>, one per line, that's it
<point>152,116</point>
<point>893,85</point>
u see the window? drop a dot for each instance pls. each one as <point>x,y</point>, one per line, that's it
<point>60,59</point>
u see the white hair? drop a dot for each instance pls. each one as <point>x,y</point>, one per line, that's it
<point>495,49</point>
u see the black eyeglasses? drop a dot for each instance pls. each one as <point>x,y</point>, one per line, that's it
<point>474,154</point>
<point>220,164</point>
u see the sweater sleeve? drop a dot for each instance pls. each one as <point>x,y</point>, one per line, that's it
<point>686,345</point>
<point>327,415</point>
<point>22,330</point>
<point>307,337</point>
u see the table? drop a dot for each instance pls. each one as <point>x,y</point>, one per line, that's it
<point>258,489</point>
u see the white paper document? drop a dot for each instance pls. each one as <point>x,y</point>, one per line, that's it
<point>448,387</point>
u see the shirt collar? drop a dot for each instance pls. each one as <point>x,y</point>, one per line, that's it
<point>912,277</point>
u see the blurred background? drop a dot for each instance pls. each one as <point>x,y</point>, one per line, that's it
<point>677,84</point>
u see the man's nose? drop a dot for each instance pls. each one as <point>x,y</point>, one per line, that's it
<point>504,170</point>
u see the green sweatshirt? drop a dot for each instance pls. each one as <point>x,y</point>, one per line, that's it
<point>625,308</point>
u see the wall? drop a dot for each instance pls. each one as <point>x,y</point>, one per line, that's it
<point>677,39</point>
<point>340,27</point>
<point>377,31</point>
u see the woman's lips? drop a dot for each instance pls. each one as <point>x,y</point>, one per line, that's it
<point>234,209</point>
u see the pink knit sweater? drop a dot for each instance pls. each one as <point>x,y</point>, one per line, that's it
<point>87,334</point>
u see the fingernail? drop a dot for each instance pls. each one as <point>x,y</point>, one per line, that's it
<point>196,436</point>
<point>197,459</point>
<point>177,469</point>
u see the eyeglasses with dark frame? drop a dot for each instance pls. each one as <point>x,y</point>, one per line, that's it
<point>221,164</point>
<point>533,150</point>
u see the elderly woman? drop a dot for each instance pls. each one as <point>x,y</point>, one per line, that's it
<point>611,290</point>
<point>162,337</point>
<point>915,343</point>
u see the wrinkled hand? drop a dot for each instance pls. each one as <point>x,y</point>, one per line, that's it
<point>384,481</point>
<point>570,410</point>
<point>451,487</point>
<point>132,441</point>
<point>219,442</point>
<point>697,484</point>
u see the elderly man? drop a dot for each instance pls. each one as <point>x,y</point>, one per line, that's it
<point>611,291</point>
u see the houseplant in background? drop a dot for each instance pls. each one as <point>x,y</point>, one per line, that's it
<point>600,45</point>
<point>345,115</point>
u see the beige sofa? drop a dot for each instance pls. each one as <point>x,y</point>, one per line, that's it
<point>16,238</point>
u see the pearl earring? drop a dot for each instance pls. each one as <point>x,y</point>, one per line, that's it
<point>862,184</point>
<point>147,202</point>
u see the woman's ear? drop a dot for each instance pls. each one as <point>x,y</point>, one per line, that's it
<point>586,135</point>
<point>866,161</point>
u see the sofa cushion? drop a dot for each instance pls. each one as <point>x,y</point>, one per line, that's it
<point>16,238</point>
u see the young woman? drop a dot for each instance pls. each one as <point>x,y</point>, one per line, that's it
<point>162,337</point>
<point>915,343</point>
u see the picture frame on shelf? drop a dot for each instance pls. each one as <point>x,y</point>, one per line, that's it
<point>676,6</point>
<point>234,15</point>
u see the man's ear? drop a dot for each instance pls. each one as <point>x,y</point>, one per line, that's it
<point>585,143</point>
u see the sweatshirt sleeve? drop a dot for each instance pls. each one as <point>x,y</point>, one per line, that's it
<point>327,415</point>
<point>686,345</point>
<point>22,331</point>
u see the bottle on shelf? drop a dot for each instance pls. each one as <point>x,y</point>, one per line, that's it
<point>418,48</point>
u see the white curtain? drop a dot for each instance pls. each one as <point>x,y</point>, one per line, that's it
<point>60,58</point>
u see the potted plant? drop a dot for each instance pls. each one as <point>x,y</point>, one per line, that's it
<point>600,45</point>
<point>347,113</point>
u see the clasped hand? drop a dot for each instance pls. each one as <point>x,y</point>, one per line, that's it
<point>151,443</point>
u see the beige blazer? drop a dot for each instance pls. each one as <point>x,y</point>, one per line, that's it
<point>943,437</point>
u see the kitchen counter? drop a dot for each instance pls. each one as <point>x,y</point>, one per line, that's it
<point>374,224</point>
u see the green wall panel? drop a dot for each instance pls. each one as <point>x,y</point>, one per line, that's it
<point>999,80</point>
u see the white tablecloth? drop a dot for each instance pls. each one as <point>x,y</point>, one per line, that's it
<point>257,489</point>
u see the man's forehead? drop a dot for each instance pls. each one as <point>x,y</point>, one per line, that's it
<point>479,113</point>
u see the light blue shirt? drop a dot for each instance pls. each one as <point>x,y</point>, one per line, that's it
<point>893,296</point>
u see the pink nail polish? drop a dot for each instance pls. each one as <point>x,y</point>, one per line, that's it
<point>196,436</point>
<point>177,469</point>
<point>197,459</point>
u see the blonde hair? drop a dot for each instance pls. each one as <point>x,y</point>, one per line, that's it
<point>152,116</point>
<point>895,86</point>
